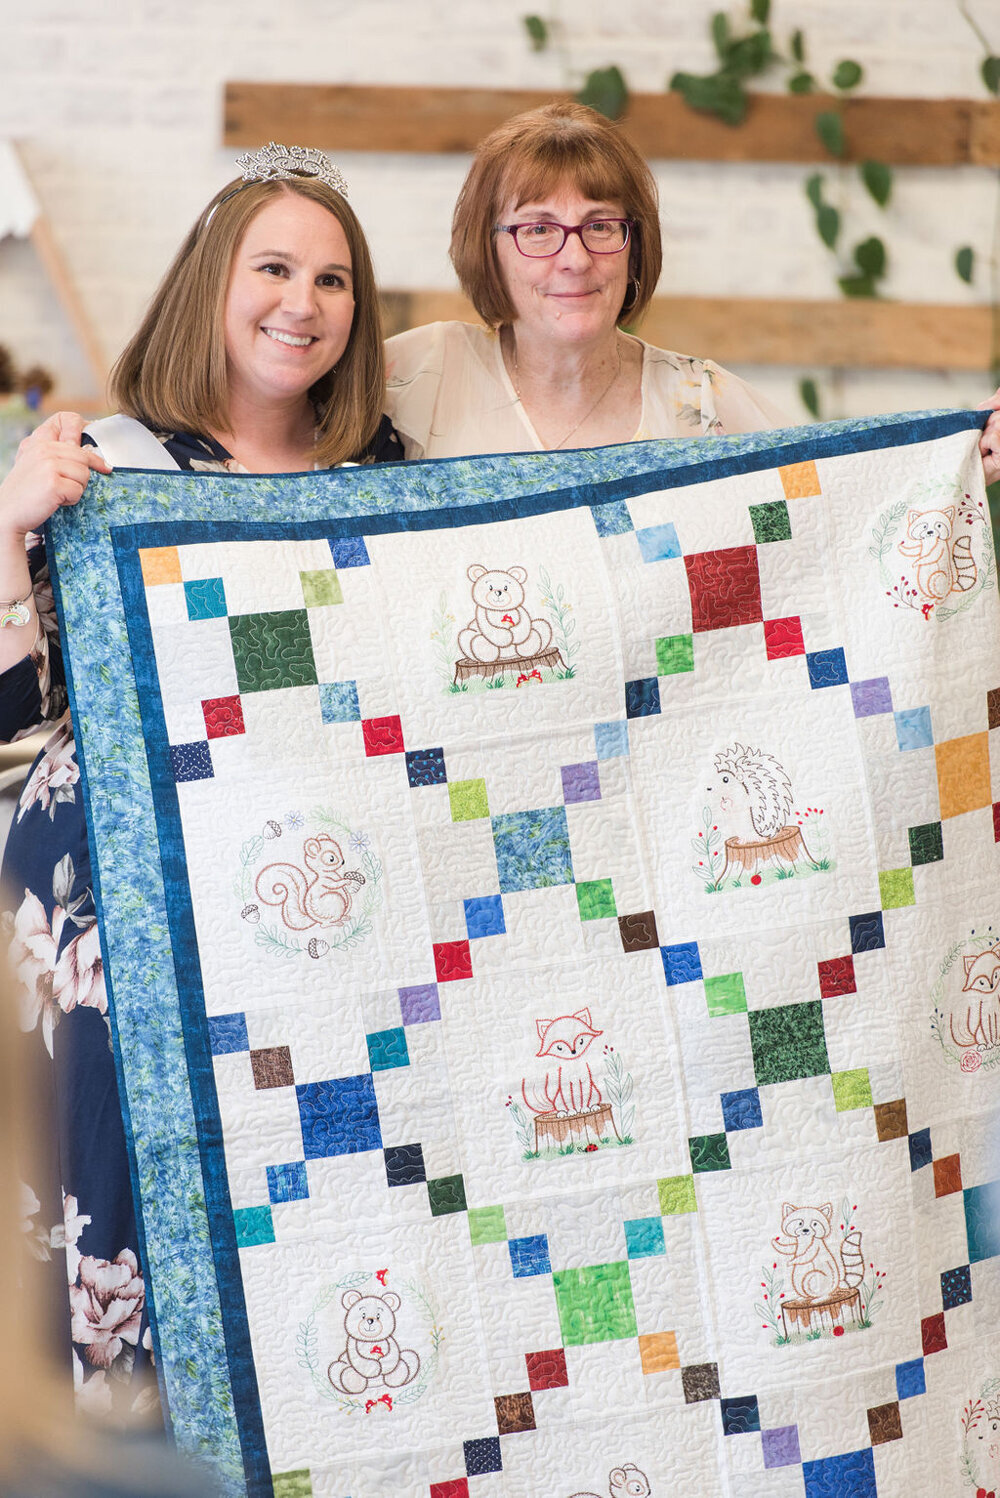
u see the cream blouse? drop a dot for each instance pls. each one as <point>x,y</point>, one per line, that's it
<point>449,395</point>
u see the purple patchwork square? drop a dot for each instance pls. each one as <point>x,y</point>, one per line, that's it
<point>781,1446</point>
<point>581,782</point>
<point>419,1005</point>
<point>871,697</point>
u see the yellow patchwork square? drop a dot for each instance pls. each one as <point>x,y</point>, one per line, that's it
<point>658,1352</point>
<point>963,771</point>
<point>800,480</point>
<point>160,564</point>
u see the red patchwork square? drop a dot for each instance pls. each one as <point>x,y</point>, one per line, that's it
<point>725,588</point>
<point>382,735</point>
<point>933,1334</point>
<point>458,1487</point>
<point>996,821</point>
<point>547,1370</point>
<point>836,977</point>
<point>783,637</point>
<point>223,717</point>
<point>452,960</point>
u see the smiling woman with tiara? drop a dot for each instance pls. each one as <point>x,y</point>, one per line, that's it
<point>261,352</point>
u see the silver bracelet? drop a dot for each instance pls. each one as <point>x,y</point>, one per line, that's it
<point>16,612</point>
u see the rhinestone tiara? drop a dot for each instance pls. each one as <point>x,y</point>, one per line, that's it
<point>274,163</point>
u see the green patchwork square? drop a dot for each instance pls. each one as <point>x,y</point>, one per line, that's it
<point>788,1042</point>
<point>726,994</point>
<point>895,888</point>
<point>709,1152</point>
<point>926,843</point>
<point>319,588</point>
<point>770,522</point>
<point>851,1089</point>
<point>595,1304</point>
<point>596,899</point>
<point>468,800</point>
<point>674,654</point>
<point>446,1194</point>
<point>272,650</point>
<point>254,1225</point>
<point>487,1225</point>
<point>676,1195</point>
<point>292,1484</point>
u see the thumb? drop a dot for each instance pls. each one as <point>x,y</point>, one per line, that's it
<point>67,426</point>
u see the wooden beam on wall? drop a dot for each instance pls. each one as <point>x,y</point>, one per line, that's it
<point>778,127</point>
<point>847,334</point>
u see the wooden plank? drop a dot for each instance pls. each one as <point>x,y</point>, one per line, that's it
<point>761,330</point>
<point>779,127</point>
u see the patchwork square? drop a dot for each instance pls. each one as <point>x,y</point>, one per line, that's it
<point>468,800</point>
<point>425,767</point>
<point>642,697</point>
<point>205,598</point>
<point>709,1152</point>
<point>982,1220</point>
<point>956,1287</point>
<point>725,994</point>
<point>867,932</point>
<point>320,589</point>
<point>254,1226</point>
<point>288,1183</point>
<point>271,651</point>
<point>272,1067</point>
<point>827,668</point>
<point>725,588</point>
<point>658,1352</point>
<point>594,1304</point>
<point>870,698</point>
<point>674,655</point>
<point>910,1379</point>
<point>612,519</point>
<point>338,702</point>
<point>223,717</point>
<point>644,1237</point>
<point>404,1165</point>
<point>446,1195</point>
<point>658,543</point>
<point>382,735</point>
<point>529,1256</point>
<point>515,1412</point>
<point>387,1049</point>
<point>595,899</point>
<point>700,1381</point>
<point>913,728</point>
<point>339,1117</point>
<point>926,843</point>
<point>638,932</point>
<point>547,1370</point>
<point>532,849</point>
<point>581,782</point>
<point>484,916</point>
<point>452,961</point>
<point>852,1473</point>
<point>487,1225</point>
<point>611,740</point>
<point>350,551</point>
<point>420,1005</point>
<point>681,963</point>
<point>227,1034</point>
<point>192,761</point>
<point>788,1042</point>
<point>963,771</point>
<point>482,1456</point>
<point>800,480</point>
<point>836,977</point>
<point>740,1417</point>
<point>783,638</point>
<point>770,522</point>
<point>677,1195</point>
<point>780,1446</point>
<point>742,1110</point>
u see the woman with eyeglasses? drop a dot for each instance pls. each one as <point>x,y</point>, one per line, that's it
<point>556,242</point>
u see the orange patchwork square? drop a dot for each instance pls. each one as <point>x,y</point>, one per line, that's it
<point>658,1352</point>
<point>947,1175</point>
<point>160,564</point>
<point>800,480</point>
<point>963,771</point>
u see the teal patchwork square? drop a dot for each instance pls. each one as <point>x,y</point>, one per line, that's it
<point>254,1225</point>
<point>205,598</point>
<point>387,1049</point>
<point>644,1237</point>
<point>595,1304</point>
<point>532,849</point>
<point>271,651</point>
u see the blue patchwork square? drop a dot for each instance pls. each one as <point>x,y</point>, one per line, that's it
<point>658,543</point>
<point>611,739</point>
<point>192,761</point>
<point>867,932</point>
<point>982,1221</point>
<point>956,1287</point>
<point>205,598</point>
<point>681,963</point>
<point>404,1164</point>
<point>529,1256</point>
<point>484,916</point>
<point>338,702</point>
<point>740,1416</point>
<point>482,1456</point>
<point>425,767</point>
<point>532,849</point>
<point>642,697</point>
<point>227,1034</point>
<point>339,1117</point>
<point>910,1379</point>
<point>612,519</point>
<point>921,1153</point>
<point>254,1225</point>
<point>852,1474</point>
<point>827,668</point>
<point>350,551</point>
<point>387,1049</point>
<point>288,1183</point>
<point>741,1110</point>
<point>913,728</point>
<point>644,1237</point>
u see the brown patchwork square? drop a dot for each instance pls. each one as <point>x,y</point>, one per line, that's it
<point>884,1423</point>
<point>638,932</point>
<point>890,1120</point>
<point>514,1412</point>
<point>272,1067</point>
<point>947,1175</point>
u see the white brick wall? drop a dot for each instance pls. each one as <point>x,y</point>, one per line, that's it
<point>118,111</point>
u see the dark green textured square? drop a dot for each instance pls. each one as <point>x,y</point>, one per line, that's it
<point>926,843</point>
<point>788,1042</point>
<point>595,1304</point>
<point>709,1152</point>
<point>272,650</point>
<point>447,1194</point>
<point>771,522</point>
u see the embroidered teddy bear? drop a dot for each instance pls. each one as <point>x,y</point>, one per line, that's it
<point>372,1354</point>
<point>502,628</point>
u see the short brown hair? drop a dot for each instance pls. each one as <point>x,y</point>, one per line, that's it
<point>172,373</point>
<point>527,157</point>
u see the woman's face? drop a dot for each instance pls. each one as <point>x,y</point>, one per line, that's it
<point>290,301</point>
<point>572,297</point>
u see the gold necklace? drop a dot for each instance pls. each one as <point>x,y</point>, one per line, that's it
<point>590,410</point>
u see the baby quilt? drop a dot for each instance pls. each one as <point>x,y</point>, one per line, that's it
<point>550,908</point>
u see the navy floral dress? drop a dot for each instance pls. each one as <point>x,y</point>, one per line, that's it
<point>79,1215</point>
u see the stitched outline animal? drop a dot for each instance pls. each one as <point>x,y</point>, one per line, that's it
<point>501,628</point>
<point>815,1271</point>
<point>981,1024</point>
<point>372,1354</point>
<point>568,1037</point>
<point>765,785</point>
<point>321,897</point>
<point>624,1482</point>
<point>943,566</point>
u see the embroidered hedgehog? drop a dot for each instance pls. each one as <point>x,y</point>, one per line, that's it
<point>751,798</point>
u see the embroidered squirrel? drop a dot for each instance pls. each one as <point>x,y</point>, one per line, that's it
<point>815,1270</point>
<point>942,565</point>
<point>981,1023</point>
<point>320,897</point>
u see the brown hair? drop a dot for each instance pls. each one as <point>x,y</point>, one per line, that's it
<point>527,157</point>
<point>172,374</point>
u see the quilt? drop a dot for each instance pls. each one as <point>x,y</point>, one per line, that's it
<point>551,919</point>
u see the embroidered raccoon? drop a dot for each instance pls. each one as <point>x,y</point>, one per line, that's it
<point>942,565</point>
<point>815,1269</point>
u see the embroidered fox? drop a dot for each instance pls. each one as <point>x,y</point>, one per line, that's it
<point>815,1270</point>
<point>980,1025</point>
<point>942,565</point>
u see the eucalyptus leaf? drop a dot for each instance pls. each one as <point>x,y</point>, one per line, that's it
<point>809,396</point>
<point>847,75</point>
<point>801,83</point>
<point>760,10</point>
<point>870,257</point>
<point>606,91</point>
<point>715,93</point>
<point>857,286</point>
<point>720,33</point>
<point>538,32</point>
<point>798,45</point>
<point>750,55</point>
<point>991,74</point>
<point>830,129</point>
<point>965,260</point>
<point>814,190</point>
<point>828,224</point>
<point>877,177</point>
